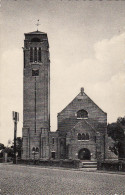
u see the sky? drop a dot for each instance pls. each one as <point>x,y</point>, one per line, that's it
<point>87,49</point>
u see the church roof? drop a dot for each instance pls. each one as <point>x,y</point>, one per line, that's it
<point>35,32</point>
<point>87,122</point>
<point>79,96</point>
<point>69,123</point>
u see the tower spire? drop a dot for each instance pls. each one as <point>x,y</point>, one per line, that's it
<point>37,24</point>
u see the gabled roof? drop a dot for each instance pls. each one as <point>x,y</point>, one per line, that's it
<point>78,96</point>
<point>69,123</point>
<point>85,121</point>
<point>35,32</point>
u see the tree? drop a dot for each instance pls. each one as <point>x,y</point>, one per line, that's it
<point>116,132</point>
<point>2,146</point>
<point>1,149</point>
<point>9,151</point>
<point>121,121</point>
<point>10,148</point>
<point>4,149</point>
<point>19,146</point>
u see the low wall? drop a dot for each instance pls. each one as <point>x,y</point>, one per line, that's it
<point>111,166</point>
<point>54,163</point>
<point>1,160</point>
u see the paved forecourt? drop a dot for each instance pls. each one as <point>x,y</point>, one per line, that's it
<point>29,180</point>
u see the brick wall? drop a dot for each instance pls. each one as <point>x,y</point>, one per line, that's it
<point>95,125</point>
<point>36,95</point>
<point>82,101</point>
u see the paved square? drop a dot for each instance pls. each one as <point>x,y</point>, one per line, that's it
<point>29,180</point>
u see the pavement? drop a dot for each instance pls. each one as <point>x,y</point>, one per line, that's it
<point>72,169</point>
<point>35,180</point>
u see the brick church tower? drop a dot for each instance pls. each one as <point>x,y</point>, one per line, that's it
<point>36,92</point>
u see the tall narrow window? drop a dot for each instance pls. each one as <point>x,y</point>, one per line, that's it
<point>87,136</point>
<point>33,149</point>
<point>79,136</point>
<point>37,149</point>
<point>39,55</point>
<point>83,136</point>
<point>35,54</point>
<point>53,140</point>
<point>31,54</point>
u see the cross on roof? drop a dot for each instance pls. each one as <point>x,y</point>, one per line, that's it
<point>37,24</point>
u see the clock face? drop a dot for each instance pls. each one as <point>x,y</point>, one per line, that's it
<point>35,72</point>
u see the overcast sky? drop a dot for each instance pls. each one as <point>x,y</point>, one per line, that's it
<point>87,49</point>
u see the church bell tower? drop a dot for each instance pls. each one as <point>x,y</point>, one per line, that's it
<point>36,92</point>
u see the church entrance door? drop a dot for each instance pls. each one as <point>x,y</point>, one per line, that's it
<point>84,154</point>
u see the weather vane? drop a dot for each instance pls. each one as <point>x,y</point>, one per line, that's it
<point>37,24</point>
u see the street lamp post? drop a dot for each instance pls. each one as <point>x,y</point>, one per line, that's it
<point>15,119</point>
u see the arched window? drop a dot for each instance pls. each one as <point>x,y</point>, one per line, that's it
<point>33,149</point>
<point>31,54</point>
<point>83,136</point>
<point>87,136</point>
<point>35,39</point>
<point>39,55</point>
<point>79,136</point>
<point>82,114</point>
<point>37,149</point>
<point>35,54</point>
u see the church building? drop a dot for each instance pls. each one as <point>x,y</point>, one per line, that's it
<point>82,125</point>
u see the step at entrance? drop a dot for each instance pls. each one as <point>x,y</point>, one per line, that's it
<point>89,164</point>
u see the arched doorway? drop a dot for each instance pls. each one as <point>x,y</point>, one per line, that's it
<point>84,154</point>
